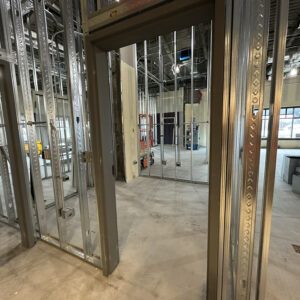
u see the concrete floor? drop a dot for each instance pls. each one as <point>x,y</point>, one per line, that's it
<point>163,245</point>
<point>163,239</point>
<point>284,263</point>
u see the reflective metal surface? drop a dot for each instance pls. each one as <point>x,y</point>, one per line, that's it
<point>78,122</point>
<point>11,118</point>
<point>272,144</point>
<point>51,115</point>
<point>258,15</point>
<point>28,107</point>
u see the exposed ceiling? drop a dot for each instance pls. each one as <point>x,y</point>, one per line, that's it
<point>292,59</point>
<point>202,36</point>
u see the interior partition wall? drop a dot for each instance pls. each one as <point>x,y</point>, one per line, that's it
<point>15,186</point>
<point>238,56</point>
<point>173,104</point>
<point>43,91</point>
<point>72,220</point>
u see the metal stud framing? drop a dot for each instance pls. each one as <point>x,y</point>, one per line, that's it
<point>28,106</point>
<point>208,92</point>
<point>147,100</point>
<point>220,80</point>
<point>7,187</point>
<point>161,102</point>
<point>271,156</point>
<point>177,142</point>
<point>8,86</point>
<point>82,77</point>
<point>255,65</point>
<point>39,9</point>
<point>254,95</point>
<point>78,127</point>
<point>192,98</point>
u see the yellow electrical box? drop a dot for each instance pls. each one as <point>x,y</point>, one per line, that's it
<point>39,146</point>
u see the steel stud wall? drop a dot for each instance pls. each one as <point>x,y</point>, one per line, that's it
<point>78,118</point>
<point>28,105</point>
<point>42,33</point>
<point>8,86</point>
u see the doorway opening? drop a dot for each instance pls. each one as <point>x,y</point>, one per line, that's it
<point>163,224</point>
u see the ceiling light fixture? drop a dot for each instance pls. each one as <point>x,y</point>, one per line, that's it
<point>175,69</point>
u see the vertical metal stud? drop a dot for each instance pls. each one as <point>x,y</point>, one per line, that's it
<point>10,104</point>
<point>148,128</point>
<point>7,187</point>
<point>177,148</point>
<point>208,92</point>
<point>259,20</point>
<point>80,44</point>
<point>1,208</point>
<point>42,33</point>
<point>281,25</point>
<point>28,107</point>
<point>192,97</point>
<point>36,88</point>
<point>220,79</point>
<point>138,109</point>
<point>78,126</point>
<point>233,157</point>
<point>161,101</point>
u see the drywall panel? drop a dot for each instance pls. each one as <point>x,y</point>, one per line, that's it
<point>129,108</point>
<point>170,102</point>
